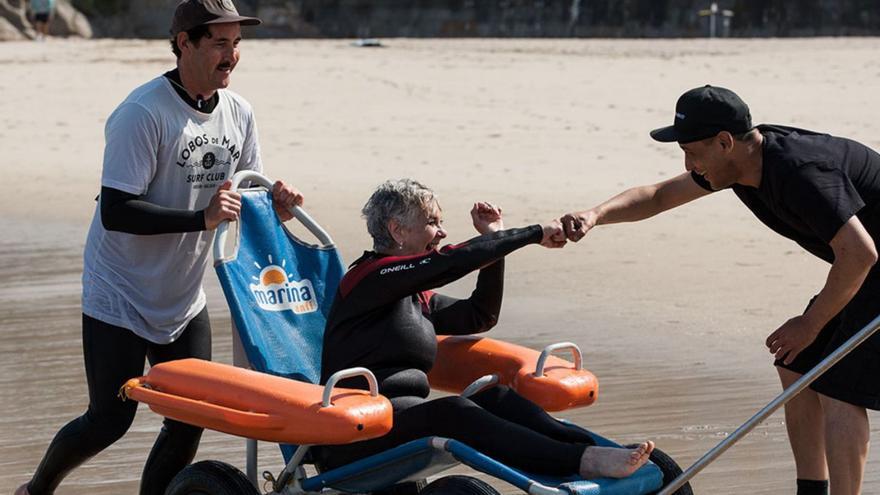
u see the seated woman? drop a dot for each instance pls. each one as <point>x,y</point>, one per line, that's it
<point>385,317</point>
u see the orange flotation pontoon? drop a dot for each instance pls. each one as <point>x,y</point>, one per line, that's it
<point>553,383</point>
<point>260,406</point>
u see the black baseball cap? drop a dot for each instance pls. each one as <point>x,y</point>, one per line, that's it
<point>704,112</point>
<point>193,13</point>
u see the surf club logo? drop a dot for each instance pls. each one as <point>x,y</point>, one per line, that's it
<point>207,160</point>
<point>192,148</point>
<point>276,290</point>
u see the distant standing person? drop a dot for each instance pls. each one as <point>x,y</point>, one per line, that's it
<point>171,147</point>
<point>822,192</point>
<point>42,11</point>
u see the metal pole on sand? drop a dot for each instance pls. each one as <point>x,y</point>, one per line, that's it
<point>712,13</point>
<point>775,404</point>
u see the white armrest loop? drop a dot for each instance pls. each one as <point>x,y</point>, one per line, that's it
<point>349,373</point>
<point>550,349</point>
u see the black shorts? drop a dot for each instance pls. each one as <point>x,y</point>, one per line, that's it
<point>856,378</point>
<point>43,17</point>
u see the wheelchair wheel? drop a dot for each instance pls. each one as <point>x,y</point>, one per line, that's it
<point>407,488</point>
<point>459,485</point>
<point>211,478</point>
<point>669,468</point>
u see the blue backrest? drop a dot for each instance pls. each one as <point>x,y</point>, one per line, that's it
<point>279,290</point>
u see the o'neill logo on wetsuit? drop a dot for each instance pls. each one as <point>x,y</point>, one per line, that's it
<point>276,290</point>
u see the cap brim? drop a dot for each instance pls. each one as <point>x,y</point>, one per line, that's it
<point>244,21</point>
<point>665,134</point>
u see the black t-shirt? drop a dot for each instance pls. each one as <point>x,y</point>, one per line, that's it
<point>811,185</point>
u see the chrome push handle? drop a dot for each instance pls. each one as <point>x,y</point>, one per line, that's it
<point>298,213</point>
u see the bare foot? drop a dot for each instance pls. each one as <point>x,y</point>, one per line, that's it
<point>612,462</point>
<point>22,490</point>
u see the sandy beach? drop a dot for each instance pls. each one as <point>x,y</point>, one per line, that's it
<point>671,313</point>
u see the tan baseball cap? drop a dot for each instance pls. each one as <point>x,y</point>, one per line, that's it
<point>193,13</point>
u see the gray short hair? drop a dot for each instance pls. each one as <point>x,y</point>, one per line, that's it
<point>401,200</point>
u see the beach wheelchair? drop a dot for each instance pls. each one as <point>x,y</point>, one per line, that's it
<point>279,290</point>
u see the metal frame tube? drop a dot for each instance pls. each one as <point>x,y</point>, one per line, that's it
<point>251,463</point>
<point>803,382</point>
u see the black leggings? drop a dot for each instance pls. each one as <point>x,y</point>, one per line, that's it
<point>113,355</point>
<point>497,422</point>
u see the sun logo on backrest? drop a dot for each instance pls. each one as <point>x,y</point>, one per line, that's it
<point>277,290</point>
<point>273,276</point>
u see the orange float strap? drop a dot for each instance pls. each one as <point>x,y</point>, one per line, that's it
<point>553,383</point>
<point>261,406</point>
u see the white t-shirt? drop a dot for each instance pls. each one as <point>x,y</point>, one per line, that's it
<point>160,148</point>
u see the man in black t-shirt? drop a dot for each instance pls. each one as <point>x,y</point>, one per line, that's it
<point>823,192</point>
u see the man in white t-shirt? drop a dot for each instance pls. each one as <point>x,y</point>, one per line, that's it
<point>171,148</point>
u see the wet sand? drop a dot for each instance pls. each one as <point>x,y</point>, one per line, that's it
<point>671,313</point>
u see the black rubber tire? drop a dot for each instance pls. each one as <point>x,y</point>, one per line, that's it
<point>210,478</point>
<point>669,468</point>
<point>407,488</point>
<point>458,485</point>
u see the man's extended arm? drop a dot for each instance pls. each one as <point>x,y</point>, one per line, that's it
<point>854,255</point>
<point>634,204</point>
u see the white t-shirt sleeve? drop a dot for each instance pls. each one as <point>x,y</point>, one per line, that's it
<point>250,154</point>
<point>132,137</point>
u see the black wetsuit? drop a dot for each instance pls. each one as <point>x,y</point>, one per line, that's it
<point>386,318</point>
<point>112,356</point>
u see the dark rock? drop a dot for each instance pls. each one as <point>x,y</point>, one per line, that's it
<point>139,19</point>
